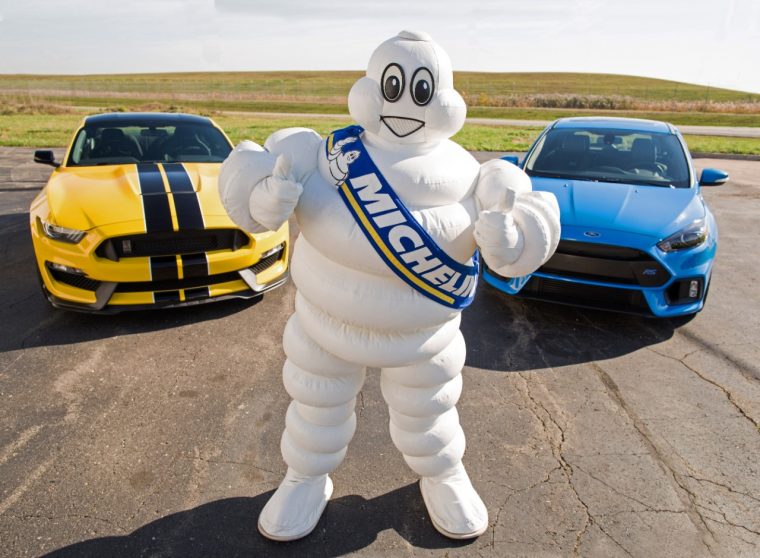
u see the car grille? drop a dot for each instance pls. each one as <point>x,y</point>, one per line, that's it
<point>606,264</point>
<point>172,243</point>
<point>88,284</point>
<point>592,296</point>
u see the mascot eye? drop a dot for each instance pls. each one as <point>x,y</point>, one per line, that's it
<point>422,86</point>
<point>393,82</point>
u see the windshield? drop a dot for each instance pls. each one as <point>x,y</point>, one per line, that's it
<point>135,143</point>
<point>609,155</point>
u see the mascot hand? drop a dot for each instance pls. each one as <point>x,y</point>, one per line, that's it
<point>275,197</point>
<point>498,238</point>
<point>519,239</point>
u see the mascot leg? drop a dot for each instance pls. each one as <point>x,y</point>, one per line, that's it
<point>425,427</point>
<point>318,427</point>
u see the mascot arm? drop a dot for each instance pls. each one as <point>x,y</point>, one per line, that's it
<point>260,186</point>
<point>517,229</point>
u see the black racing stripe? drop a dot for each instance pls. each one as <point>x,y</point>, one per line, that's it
<point>163,268</point>
<point>200,292</point>
<point>166,296</point>
<point>158,215</point>
<point>194,265</point>
<point>186,202</point>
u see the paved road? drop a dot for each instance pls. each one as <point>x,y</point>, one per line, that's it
<point>156,434</point>
<point>725,131</point>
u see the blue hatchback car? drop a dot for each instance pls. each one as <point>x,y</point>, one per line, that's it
<point>637,235</point>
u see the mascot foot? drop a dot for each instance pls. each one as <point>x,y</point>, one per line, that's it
<point>455,508</point>
<point>295,508</point>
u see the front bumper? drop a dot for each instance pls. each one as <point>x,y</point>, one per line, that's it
<point>77,277</point>
<point>104,308</point>
<point>670,298</point>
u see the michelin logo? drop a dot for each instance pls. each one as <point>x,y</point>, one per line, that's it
<point>338,161</point>
<point>405,241</point>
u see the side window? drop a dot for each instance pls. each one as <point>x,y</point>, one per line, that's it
<point>79,146</point>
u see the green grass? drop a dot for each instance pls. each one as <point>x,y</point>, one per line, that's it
<point>717,144</point>
<point>55,130</point>
<point>208,105</point>
<point>37,130</point>
<point>473,137</point>
<point>239,128</point>
<point>516,96</point>
<point>496,138</point>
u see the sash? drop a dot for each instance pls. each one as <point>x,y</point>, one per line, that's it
<point>394,233</point>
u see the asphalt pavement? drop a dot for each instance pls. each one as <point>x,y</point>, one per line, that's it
<point>725,131</point>
<point>589,433</point>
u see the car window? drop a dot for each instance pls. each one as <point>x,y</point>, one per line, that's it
<point>609,155</point>
<point>134,143</point>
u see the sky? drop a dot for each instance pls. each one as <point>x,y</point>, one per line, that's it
<point>711,42</point>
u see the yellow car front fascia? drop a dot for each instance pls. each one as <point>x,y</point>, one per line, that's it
<point>105,202</point>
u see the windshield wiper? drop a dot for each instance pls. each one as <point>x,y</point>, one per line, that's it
<point>560,176</point>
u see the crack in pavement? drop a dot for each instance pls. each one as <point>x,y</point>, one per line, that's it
<point>361,404</point>
<point>557,450</point>
<point>567,468</point>
<point>513,492</point>
<point>730,523</point>
<point>748,370</point>
<point>687,497</point>
<point>725,486</point>
<point>225,462</point>
<point>569,472</point>
<point>725,391</point>
<point>646,506</point>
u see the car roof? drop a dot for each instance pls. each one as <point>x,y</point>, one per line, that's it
<point>590,122</point>
<point>145,119</point>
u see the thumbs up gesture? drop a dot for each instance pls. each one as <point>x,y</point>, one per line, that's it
<point>517,229</point>
<point>274,198</point>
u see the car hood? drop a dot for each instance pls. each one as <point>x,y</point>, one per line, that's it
<point>654,211</point>
<point>86,197</point>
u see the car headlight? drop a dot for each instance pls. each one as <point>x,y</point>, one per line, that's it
<point>63,234</point>
<point>688,237</point>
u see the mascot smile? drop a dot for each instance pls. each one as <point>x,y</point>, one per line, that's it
<point>392,216</point>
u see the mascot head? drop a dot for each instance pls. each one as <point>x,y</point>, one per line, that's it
<point>408,93</point>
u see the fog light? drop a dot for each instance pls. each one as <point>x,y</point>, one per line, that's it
<point>278,248</point>
<point>65,268</point>
<point>693,288</point>
<point>685,291</point>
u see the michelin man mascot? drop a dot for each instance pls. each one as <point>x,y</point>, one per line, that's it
<point>391,213</point>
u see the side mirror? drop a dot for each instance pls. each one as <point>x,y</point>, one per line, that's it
<point>45,157</point>
<point>514,159</point>
<point>712,177</point>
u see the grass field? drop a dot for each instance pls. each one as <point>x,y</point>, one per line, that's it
<point>44,110</point>
<point>55,130</point>
<point>523,96</point>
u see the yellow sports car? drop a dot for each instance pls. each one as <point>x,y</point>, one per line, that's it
<point>132,219</point>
